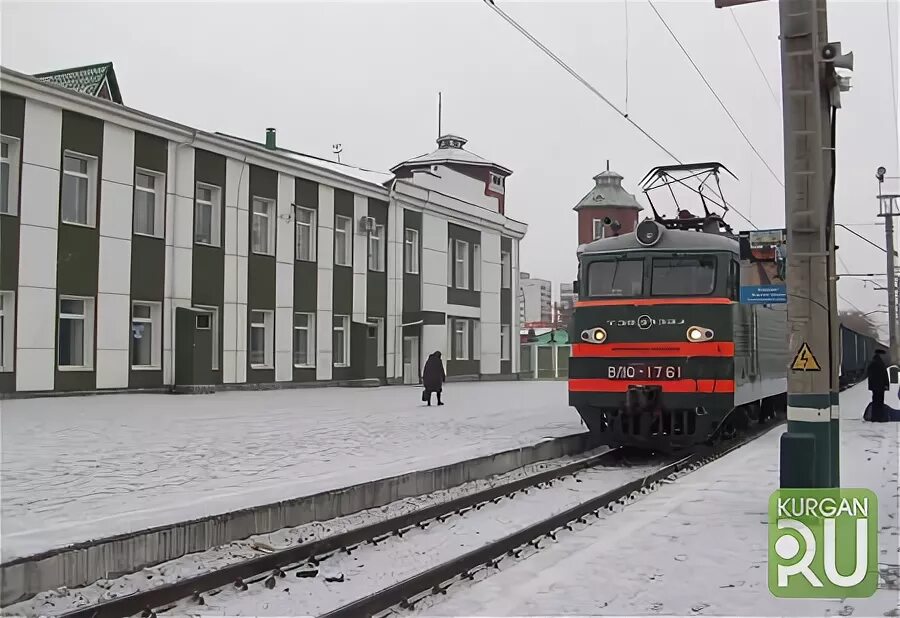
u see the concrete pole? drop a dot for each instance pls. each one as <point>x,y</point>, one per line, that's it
<point>887,213</point>
<point>806,449</point>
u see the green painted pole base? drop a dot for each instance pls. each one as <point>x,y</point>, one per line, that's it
<point>798,458</point>
<point>821,457</point>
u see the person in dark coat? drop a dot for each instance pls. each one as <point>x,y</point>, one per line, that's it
<point>433,378</point>
<point>879,382</point>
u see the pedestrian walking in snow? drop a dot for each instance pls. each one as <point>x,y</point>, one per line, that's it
<point>433,378</point>
<point>879,382</point>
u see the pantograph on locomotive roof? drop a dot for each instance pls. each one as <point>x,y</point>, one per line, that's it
<point>696,178</point>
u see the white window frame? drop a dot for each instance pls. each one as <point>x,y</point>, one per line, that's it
<point>159,202</point>
<point>12,161</point>
<point>411,251</point>
<point>505,270</point>
<point>215,220</point>
<point>602,227</point>
<point>461,264</point>
<point>90,178</point>
<point>505,341</point>
<point>497,184</point>
<point>214,327</point>
<point>344,225</point>
<point>450,262</point>
<point>376,248</point>
<point>345,328</point>
<point>87,342</point>
<point>310,329</point>
<point>263,208</point>
<point>155,321</point>
<point>461,326</point>
<point>268,326</point>
<point>311,228</point>
<point>7,331</point>
<point>476,264</point>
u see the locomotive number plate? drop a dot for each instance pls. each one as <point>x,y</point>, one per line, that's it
<point>644,371</point>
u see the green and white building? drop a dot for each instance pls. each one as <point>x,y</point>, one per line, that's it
<point>138,253</point>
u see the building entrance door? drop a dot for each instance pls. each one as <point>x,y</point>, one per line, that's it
<point>411,360</point>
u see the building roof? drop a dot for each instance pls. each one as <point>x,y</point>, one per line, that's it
<point>451,149</point>
<point>89,79</point>
<point>609,193</point>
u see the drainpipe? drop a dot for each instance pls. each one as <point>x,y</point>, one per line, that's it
<point>398,298</point>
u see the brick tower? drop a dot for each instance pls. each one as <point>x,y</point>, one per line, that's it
<point>607,200</point>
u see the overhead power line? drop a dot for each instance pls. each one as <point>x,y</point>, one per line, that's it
<point>512,22</point>
<point>755,59</point>
<point>716,95</point>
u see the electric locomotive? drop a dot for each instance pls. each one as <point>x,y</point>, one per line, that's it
<point>664,356</point>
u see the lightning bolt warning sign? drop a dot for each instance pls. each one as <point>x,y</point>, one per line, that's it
<point>805,360</point>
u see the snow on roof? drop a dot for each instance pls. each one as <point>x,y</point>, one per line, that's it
<point>451,150</point>
<point>372,176</point>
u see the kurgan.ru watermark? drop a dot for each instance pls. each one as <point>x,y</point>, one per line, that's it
<point>823,543</point>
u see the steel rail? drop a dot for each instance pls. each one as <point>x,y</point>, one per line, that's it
<point>146,600</point>
<point>431,579</point>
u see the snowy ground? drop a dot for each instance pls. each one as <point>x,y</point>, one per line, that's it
<point>695,547</point>
<point>55,602</point>
<point>75,469</point>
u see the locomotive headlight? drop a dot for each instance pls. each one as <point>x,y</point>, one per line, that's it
<point>594,335</point>
<point>699,333</point>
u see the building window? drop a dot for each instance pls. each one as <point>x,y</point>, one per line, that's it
<point>262,233</point>
<point>146,327</point>
<point>76,331</point>
<point>411,251</point>
<point>376,331</point>
<point>599,229</point>
<point>476,267</point>
<point>343,241</point>
<point>497,182</point>
<point>460,339</point>
<point>462,265</point>
<point>7,329</point>
<point>210,320</point>
<point>304,340</point>
<point>207,214</point>
<point>376,248</point>
<point>449,262</point>
<point>476,340</point>
<point>262,341</point>
<point>505,270</point>
<point>306,234</point>
<point>79,189</point>
<point>504,342</point>
<point>149,193</point>
<point>340,341</point>
<point>9,175</point>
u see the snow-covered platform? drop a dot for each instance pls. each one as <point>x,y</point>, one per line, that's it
<point>697,546</point>
<point>81,468</point>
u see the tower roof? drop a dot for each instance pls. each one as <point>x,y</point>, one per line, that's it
<point>451,149</point>
<point>97,80</point>
<point>609,193</point>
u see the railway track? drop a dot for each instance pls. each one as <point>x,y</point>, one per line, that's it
<point>270,567</point>
<point>266,571</point>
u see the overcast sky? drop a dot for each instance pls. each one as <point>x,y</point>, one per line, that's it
<point>367,74</point>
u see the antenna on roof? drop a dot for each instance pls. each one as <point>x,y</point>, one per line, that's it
<point>337,149</point>
<point>439,114</point>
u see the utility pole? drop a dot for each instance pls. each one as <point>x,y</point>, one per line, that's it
<point>809,449</point>
<point>810,89</point>
<point>889,208</point>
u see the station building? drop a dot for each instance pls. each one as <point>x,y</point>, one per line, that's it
<point>139,253</point>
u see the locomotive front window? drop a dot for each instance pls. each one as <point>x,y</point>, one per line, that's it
<point>683,276</point>
<point>616,278</point>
